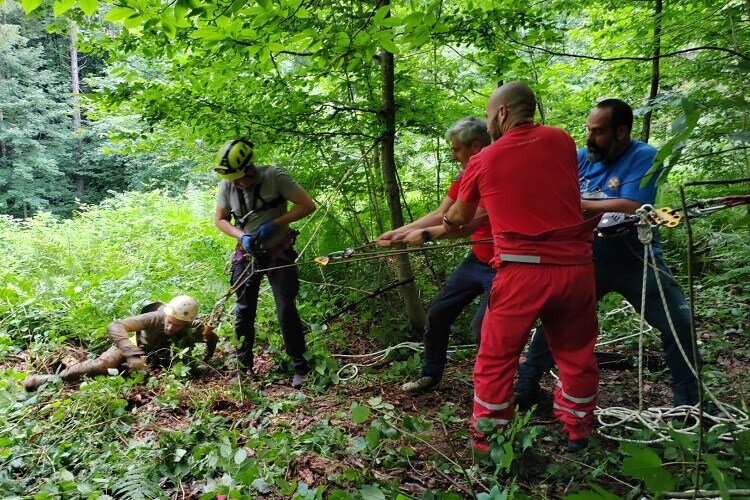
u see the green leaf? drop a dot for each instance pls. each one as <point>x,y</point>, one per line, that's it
<point>485,426</point>
<point>30,5</point>
<point>644,464</point>
<point>682,128</point>
<point>247,475</point>
<point>388,45</point>
<point>360,414</point>
<point>372,437</point>
<point>370,492</point>
<point>240,456</point>
<point>381,13</point>
<point>169,29</point>
<point>180,9</point>
<point>88,6</point>
<point>62,6</point>
<point>717,474</point>
<point>261,486</point>
<point>209,33</point>
<point>118,14</point>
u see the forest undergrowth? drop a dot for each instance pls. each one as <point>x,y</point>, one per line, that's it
<point>168,435</point>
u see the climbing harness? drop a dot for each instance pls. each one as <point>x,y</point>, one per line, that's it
<point>258,203</point>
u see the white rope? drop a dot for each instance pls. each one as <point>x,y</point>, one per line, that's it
<point>659,420</point>
<point>646,246</point>
<point>377,357</point>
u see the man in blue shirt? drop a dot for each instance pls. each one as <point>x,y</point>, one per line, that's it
<point>612,167</point>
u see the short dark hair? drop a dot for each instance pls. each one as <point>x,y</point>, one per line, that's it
<point>622,113</point>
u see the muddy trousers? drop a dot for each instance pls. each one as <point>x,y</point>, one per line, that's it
<point>626,278</point>
<point>563,298</point>
<point>285,285</point>
<point>111,358</point>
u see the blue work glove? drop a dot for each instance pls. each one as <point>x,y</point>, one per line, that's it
<point>265,231</point>
<point>248,243</point>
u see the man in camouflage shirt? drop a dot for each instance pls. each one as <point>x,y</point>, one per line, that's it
<point>149,335</point>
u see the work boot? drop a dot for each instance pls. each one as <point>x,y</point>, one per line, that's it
<point>421,384</point>
<point>528,398</point>
<point>297,380</point>
<point>576,445</point>
<point>33,382</point>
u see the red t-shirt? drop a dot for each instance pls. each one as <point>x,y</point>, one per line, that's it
<point>528,182</point>
<point>483,251</point>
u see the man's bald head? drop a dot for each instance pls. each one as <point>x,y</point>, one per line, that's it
<point>510,104</point>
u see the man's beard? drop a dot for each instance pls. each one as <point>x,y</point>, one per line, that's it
<point>596,155</point>
<point>496,132</point>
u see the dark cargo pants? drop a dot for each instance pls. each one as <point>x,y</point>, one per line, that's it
<point>285,285</point>
<point>470,279</point>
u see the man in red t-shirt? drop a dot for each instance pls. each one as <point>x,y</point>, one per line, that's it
<point>473,277</point>
<point>528,182</point>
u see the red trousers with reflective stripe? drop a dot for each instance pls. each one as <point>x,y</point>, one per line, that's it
<point>564,298</point>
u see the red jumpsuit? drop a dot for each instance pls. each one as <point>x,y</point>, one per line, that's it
<point>528,182</point>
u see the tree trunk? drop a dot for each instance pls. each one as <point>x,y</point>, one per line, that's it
<point>75,89</point>
<point>414,308</point>
<point>646,130</point>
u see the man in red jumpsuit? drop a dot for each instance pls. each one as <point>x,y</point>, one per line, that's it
<point>528,182</point>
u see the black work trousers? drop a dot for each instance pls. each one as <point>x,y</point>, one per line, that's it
<point>285,285</point>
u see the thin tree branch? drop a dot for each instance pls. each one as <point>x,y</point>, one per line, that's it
<point>714,153</point>
<point>631,58</point>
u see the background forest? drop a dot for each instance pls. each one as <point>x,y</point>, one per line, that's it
<point>110,116</point>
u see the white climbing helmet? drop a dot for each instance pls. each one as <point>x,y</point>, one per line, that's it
<point>182,307</point>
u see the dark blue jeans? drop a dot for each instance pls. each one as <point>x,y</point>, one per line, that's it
<point>285,285</point>
<point>470,279</point>
<point>626,278</point>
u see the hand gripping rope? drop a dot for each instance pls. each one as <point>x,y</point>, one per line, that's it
<point>347,256</point>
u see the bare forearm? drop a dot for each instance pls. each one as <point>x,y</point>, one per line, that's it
<point>227,228</point>
<point>426,221</point>
<point>297,212</point>
<point>623,205</point>
<point>459,214</point>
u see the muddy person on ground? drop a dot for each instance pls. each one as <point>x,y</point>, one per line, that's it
<point>150,335</point>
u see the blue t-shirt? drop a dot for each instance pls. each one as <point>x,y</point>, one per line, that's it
<point>619,179</point>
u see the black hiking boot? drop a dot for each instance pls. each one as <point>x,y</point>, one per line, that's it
<point>423,383</point>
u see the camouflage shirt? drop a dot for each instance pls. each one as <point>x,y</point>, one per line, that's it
<point>153,341</point>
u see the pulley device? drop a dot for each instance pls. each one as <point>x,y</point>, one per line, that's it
<point>614,224</point>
